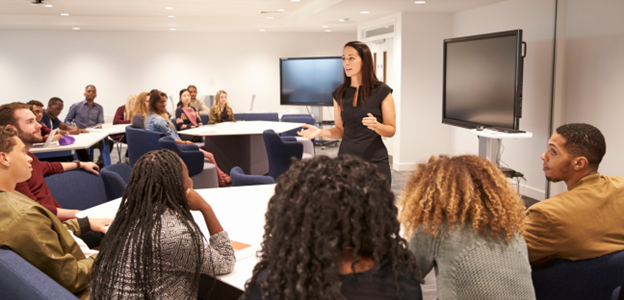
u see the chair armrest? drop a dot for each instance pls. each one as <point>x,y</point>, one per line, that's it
<point>288,139</point>
<point>189,147</point>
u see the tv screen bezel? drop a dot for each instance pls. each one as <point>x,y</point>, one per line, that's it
<point>308,103</point>
<point>519,64</point>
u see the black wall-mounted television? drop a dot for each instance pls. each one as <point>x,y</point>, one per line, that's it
<point>310,80</point>
<point>483,80</point>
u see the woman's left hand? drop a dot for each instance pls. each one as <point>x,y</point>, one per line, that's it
<point>371,122</point>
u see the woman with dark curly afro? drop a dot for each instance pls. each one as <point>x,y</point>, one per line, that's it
<point>332,233</point>
<point>466,220</point>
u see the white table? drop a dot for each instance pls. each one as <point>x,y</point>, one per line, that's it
<point>111,130</point>
<point>241,213</point>
<point>239,143</point>
<point>83,141</point>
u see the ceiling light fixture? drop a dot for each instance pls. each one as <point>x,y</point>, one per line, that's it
<point>169,7</point>
<point>170,16</point>
<point>420,2</point>
<point>281,9</point>
<point>49,5</point>
<point>262,29</point>
<point>328,30</point>
<point>341,20</point>
<point>295,0</point>
<point>365,12</point>
<point>269,18</point>
<point>64,14</point>
<point>324,26</point>
<point>172,29</point>
<point>76,28</point>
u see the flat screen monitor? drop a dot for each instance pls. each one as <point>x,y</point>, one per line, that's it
<point>310,81</point>
<point>483,80</point>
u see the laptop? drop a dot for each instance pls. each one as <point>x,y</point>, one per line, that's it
<point>48,141</point>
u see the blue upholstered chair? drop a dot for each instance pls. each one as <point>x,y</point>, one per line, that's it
<point>77,189</point>
<point>203,173</point>
<point>240,179</point>
<point>204,119</point>
<point>256,117</point>
<point>280,151</point>
<point>616,293</point>
<point>115,179</point>
<point>141,141</point>
<point>22,281</point>
<point>308,145</point>
<point>594,278</point>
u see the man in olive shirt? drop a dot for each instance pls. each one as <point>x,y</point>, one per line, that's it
<point>587,221</point>
<point>32,231</point>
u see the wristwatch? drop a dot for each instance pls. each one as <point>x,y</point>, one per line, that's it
<point>77,162</point>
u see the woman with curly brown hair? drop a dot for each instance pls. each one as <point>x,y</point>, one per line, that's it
<point>332,233</point>
<point>466,220</point>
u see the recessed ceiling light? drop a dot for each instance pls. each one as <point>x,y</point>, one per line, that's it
<point>170,16</point>
<point>262,29</point>
<point>172,29</point>
<point>341,20</point>
<point>49,5</point>
<point>281,9</point>
<point>295,0</point>
<point>76,28</point>
<point>365,12</point>
<point>169,7</point>
<point>64,14</point>
<point>420,2</point>
<point>328,30</point>
<point>324,26</point>
<point>269,18</point>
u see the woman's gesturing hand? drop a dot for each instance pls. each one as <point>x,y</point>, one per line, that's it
<point>309,132</point>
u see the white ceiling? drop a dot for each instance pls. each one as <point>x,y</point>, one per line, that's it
<point>212,15</point>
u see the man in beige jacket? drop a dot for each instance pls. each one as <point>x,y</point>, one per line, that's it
<point>587,221</point>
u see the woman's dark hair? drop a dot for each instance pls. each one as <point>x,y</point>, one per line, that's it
<point>132,243</point>
<point>369,79</point>
<point>180,104</point>
<point>155,96</point>
<point>321,208</point>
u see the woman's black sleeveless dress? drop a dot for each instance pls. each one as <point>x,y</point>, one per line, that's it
<point>358,140</point>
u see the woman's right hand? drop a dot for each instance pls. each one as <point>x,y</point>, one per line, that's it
<point>311,132</point>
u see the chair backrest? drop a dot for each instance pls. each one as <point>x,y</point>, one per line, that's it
<point>21,280</point>
<point>280,152</point>
<point>205,119</point>
<point>141,141</point>
<point>300,118</point>
<point>194,159</point>
<point>240,179</point>
<point>594,278</point>
<point>77,189</point>
<point>257,117</point>
<point>115,179</point>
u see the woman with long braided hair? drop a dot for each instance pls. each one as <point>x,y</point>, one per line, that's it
<point>465,220</point>
<point>154,249</point>
<point>332,233</point>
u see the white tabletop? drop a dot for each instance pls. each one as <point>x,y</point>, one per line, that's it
<point>83,141</point>
<point>110,129</point>
<point>241,213</point>
<point>241,128</point>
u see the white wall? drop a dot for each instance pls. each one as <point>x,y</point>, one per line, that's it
<point>537,20</point>
<point>42,64</point>
<point>593,74</point>
<point>420,132</point>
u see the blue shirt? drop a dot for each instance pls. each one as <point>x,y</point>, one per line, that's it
<point>51,122</point>
<point>83,115</point>
<point>154,122</point>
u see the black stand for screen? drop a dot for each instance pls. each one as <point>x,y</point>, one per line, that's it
<point>321,141</point>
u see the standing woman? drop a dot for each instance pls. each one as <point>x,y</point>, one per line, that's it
<point>221,111</point>
<point>154,249</point>
<point>366,110</point>
<point>157,120</point>
<point>187,117</point>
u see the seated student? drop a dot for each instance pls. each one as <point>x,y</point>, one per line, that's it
<point>20,117</point>
<point>157,120</point>
<point>466,221</point>
<point>154,249</point>
<point>37,108</point>
<point>140,109</point>
<point>187,117</point>
<point>51,120</point>
<point>586,221</point>
<point>332,233</point>
<point>122,115</point>
<point>221,111</point>
<point>32,231</point>
<point>198,104</point>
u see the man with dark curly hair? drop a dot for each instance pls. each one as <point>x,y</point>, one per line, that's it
<point>587,220</point>
<point>332,233</point>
